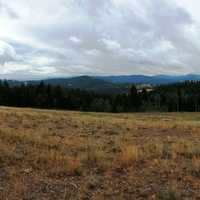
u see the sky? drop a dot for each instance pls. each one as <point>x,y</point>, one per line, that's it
<point>62,38</point>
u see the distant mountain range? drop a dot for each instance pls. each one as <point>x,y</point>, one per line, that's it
<point>154,80</point>
<point>113,84</point>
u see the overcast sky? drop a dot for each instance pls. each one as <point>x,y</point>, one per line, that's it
<point>58,38</point>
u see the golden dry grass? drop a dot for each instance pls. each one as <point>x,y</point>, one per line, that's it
<point>73,155</point>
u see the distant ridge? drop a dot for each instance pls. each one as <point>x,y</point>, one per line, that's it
<point>107,84</point>
<point>85,83</point>
<point>157,79</point>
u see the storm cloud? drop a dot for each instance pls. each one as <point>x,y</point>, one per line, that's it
<point>40,39</point>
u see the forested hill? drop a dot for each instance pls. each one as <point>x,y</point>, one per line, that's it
<point>81,82</point>
<point>175,97</point>
<point>88,83</point>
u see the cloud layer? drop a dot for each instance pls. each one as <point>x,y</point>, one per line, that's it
<point>49,38</point>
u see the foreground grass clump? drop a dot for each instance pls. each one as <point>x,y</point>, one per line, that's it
<point>129,155</point>
<point>167,195</point>
<point>62,155</point>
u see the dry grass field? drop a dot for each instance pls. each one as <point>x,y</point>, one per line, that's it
<point>71,155</point>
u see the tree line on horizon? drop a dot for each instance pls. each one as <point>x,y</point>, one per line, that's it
<point>169,98</point>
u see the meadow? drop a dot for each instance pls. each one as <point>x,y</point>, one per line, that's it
<point>48,155</point>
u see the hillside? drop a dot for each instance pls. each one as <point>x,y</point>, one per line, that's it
<point>85,83</point>
<point>73,155</point>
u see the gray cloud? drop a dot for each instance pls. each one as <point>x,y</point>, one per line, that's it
<point>7,53</point>
<point>98,37</point>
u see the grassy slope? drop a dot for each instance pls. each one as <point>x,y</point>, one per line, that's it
<point>58,155</point>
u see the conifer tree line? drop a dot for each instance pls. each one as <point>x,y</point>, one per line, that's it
<point>170,98</point>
